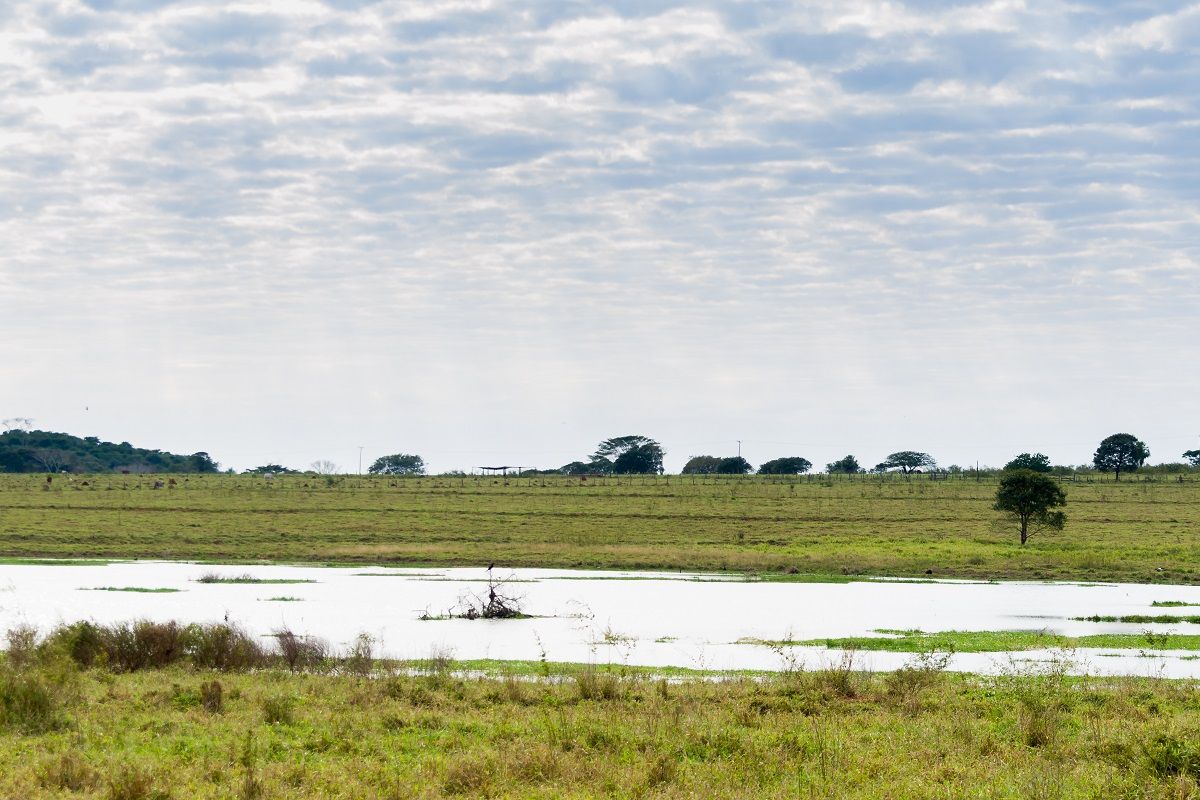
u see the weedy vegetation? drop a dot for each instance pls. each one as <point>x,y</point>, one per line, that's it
<point>302,722</point>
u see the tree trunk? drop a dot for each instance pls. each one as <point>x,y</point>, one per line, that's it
<point>1024,530</point>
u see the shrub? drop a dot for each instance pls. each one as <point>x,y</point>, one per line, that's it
<point>469,775</point>
<point>212,697</point>
<point>22,645</point>
<point>225,647</point>
<point>361,656</point>
<point>28,703</point>
<point>593,685</point>
<point>279,710</point>
<point>130,782</point>
<point>301,652</point>
<point>69,771</point>
<point>84,642</point>
<point>143,645</point>
<point>1169,755</point>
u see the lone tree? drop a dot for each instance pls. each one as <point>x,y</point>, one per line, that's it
<point>1029,498</point>
<point>792,465</point>
<point>908,461</point>
<point>1035,462</point>
<point>1121,451</point>
<point>630,455</point>
<point>701,465</point>
<point>398,464</point>
<point>1193,457</point>
<point>848,465</point>
<point>734,465</point>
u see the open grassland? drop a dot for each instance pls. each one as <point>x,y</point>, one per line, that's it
<point>431,732</point>
<point>1135,530</point>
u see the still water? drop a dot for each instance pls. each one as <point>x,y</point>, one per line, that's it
<point>637,618</point>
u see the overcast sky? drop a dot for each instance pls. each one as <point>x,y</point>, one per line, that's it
<point>498,232</point>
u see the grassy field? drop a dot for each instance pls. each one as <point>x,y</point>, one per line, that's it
<point>430,732</point>
<point>1129,531</point>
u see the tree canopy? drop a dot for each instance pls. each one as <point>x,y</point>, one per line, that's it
<point>1121,452</point>
<point>1029,498</point>
<point>791,465</point>
<point>630,455</point>
<point>398,464</point>
<point>1035,462</point>
<point>273,469</point>
<point>45,451</point>
<point>848,465</point>
<point>907,461</point>
<point>701,465</point>
<point>734,465</point>
<point>1193,457</point>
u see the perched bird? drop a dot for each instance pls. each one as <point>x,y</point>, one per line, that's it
<point>491,565</point>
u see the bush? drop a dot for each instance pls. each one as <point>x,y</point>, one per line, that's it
<point>22,645</point>
<point>144,645</point>
<point>361,656</point>
<point>69,772</point>
<point>301,652</point>
<point>212,697</point>
<point>129,782</point>
<point>84,642</point>
<point>593,685</point>
<point>1169,755</point>
<point>28,703</point>
<point>278,710</point>
<point>224,647</point>
<point>470,775</point>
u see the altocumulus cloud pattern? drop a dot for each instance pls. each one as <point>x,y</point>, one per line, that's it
<point>565,166</point>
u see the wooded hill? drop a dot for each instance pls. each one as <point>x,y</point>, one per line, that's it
<point>44,451</point>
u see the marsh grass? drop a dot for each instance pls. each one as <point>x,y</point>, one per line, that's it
<point>214,577</point>
<point>1141,618</point>
<point>143,589</point>
<point>916,641</point>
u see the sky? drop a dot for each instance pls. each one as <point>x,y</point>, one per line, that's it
<point>499,232</point>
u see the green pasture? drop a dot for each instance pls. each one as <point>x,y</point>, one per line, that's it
<point>805,527</point>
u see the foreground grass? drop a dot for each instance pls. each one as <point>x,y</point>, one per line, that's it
<point>1131,531</point>
<point>185,733</point>
<point>916,641</point>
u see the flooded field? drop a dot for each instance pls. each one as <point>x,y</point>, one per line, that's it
<point>638,618</point>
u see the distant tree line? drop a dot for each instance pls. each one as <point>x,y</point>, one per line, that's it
<point>23,450</point>
<point>44,451</point>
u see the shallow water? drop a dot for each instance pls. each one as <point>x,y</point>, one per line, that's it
<point>639,618</point>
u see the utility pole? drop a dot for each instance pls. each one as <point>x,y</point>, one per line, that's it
<point>739,448</point>
<point>360,449</point>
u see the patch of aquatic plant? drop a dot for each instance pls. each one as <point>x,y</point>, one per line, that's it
<point>1165,619</point>
<point>54,562</point>
<point>916,641</point>
<point>145,589</point>
<point>1171,604</point>
<point>282,599</point>
<point>214,577</point>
